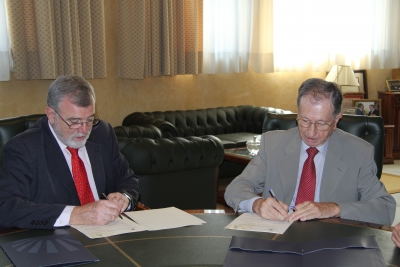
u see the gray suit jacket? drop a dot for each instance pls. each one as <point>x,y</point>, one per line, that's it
<point>348,179</point>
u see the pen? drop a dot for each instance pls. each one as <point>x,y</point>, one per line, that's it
<point>271,192</point>
<point>104,195</point>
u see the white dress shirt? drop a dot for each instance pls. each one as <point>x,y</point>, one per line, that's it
<point>65,216</point>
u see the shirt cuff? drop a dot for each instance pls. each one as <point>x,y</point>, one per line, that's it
<point>247,205</point>
<point>65,216</point>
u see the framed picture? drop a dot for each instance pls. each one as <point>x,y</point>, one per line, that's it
<point>393,85</point>
<point>367,107</point>
<point>361,76</point>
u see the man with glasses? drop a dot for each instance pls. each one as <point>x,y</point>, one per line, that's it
<point>314,170</point>
<point>54,173</point>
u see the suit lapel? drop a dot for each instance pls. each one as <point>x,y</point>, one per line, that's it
<point>334,168</point>
<point>96,161</point>
<point>289,166</point>
<point>57,166</point>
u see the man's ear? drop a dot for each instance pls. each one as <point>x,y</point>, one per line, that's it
<point>338,117</point>
<point>50,114</point>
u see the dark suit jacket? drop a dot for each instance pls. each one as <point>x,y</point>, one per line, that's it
<point>375,111</point>
<point>359,112</point>
<point>36,183</point>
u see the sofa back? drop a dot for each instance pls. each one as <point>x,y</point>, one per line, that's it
<point>210,121</point>
<point>10,127</point>
<point>371,129</point>
<point>179,172</point>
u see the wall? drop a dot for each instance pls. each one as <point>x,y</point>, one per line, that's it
<point>117,97</point>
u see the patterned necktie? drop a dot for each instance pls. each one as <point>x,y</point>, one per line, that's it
<point>308,178</point>
<point>80,178</point>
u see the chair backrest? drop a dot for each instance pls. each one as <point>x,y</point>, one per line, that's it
<point>371,129</point>
<point>10,127</point>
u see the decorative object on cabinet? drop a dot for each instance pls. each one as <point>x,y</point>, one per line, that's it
<point>361,76</point>
<point>367,102</point>
<point>344,77</point>
<point>393,85</point>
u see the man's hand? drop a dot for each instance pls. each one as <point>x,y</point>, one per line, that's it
<point>315,210</point>
<point>121,200</point>
<point>396,235</point>
<point>271,209</point>
<point>95,213</point>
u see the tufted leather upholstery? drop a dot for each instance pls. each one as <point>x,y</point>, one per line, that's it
<point>147,131</point>
<point>234,126</point>
<point>368,128</point>
<point>10,127</point>
<point>180,172</point>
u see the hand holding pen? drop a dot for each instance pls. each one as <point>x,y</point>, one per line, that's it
<point>121,214</point>
<point>271,208</point>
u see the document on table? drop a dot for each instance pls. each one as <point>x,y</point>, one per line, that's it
<point>116,227</point>
<point>147,220</point>
<point>167,218</point>
<point>253,222</point>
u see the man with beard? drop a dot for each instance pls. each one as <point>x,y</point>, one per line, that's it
<point>54,172</point>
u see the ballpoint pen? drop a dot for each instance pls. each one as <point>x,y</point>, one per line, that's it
<point>271,192</point>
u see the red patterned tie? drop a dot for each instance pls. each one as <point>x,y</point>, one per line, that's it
<point>308,178</point>
<point>80,178</point>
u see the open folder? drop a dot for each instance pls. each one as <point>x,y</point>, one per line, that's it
<point>360,251</point>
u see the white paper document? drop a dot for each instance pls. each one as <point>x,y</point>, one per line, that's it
<point>253,222</point>
<point>116,227</point>
<point>167,218</point>
<point>147,220</point>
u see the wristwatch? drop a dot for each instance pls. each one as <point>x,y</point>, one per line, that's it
<point>130,201</point>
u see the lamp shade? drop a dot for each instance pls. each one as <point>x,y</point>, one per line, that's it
<point>344,77</point>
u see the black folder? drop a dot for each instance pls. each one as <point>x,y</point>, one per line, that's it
<point>52,250</point>
<point>360,251</point>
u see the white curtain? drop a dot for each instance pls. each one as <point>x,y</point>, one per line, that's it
<point>300,35</point>
<point>4,44</point>
<point>313,35</point>
<point>226,35</point>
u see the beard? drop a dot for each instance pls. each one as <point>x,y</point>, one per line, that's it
<point>69,140</point>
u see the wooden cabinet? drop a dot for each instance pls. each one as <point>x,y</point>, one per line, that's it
<point>391,116</point>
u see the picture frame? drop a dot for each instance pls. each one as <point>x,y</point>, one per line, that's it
<point>393,85</point>
<point>367,102</point>
<point>361,76</point>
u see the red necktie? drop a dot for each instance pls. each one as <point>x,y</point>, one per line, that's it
<point>308,178</point>
<point>80,178</point>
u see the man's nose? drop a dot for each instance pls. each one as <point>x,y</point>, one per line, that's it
<point>84,129</point>
<point>312,130</point>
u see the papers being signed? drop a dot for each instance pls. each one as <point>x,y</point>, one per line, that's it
<point>148,220</point>
<point>253,222</point>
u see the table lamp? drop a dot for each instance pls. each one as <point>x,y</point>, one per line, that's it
<point>344,77</point>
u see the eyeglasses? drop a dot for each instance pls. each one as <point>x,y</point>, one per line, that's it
<point>321,126</point>
<point>76,125</point>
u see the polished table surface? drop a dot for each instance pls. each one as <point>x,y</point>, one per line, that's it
<point>204,245</point>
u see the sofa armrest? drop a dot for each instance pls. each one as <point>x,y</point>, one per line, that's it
<point>282,121</point>
<point>138,118</point>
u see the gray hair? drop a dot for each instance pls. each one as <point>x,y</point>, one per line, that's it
<point>79,91</point>
<point>320,89</point>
